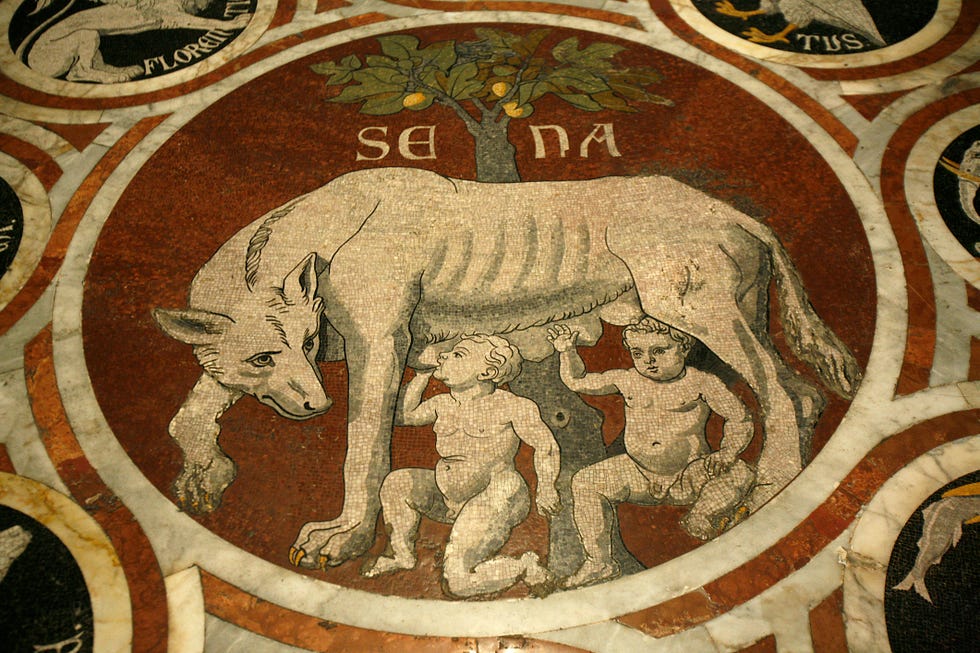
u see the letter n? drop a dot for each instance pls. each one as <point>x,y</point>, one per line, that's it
<point>539,149</point>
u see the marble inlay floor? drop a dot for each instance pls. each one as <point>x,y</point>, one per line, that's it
<point>437,325</point>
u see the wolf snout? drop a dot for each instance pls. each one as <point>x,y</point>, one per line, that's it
<point>313,406</point>
<point>317,407</point>
<point>310,406</point>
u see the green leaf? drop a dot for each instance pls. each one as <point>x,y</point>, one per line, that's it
<point>565,50</point>
<point>384,104</point>
<point>326,68</point>
<point>380,75</point>
<point>359,92</point>
<point>494,37</point>
<point>599,54</point>
<point>337,73</point>
<point>462,82</point>
<point>373,81</point>
<point>629,91</point>
<point>339,78</point>
<point>400,47</point>
<point>504,71</point>
<point>609,100</point>
<point>528,92</point>
<point>580,101</point>
<point>640,76</point>
<point>526,45</point>
<point>579,79</point>
<point>377,60</point>
<point>431,77</point>
<point>639,94</point>
<point>351,62</point>
<point>595,56</point>
<point>524,92</point>
<point>440,55</point>
<point>659,99</point>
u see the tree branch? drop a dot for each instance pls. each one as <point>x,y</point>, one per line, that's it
<point>443,98</point>
<point>509,95</point>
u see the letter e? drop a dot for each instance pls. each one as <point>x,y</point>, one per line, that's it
<point>405,143</point>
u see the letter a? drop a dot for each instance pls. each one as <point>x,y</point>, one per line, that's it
<point>607,138</point>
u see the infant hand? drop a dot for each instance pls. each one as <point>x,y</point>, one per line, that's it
<point>562,338</point>
<point>548,501</point>
<point>720,462</point>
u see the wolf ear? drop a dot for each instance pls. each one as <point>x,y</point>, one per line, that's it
<point>300,284</point>
<point>191,326</point>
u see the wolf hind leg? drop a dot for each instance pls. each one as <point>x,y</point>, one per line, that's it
<point>698,295</point>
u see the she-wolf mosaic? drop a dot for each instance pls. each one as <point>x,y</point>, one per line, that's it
<point>393,325</point>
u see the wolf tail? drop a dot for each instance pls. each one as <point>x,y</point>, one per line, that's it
<point>808,336</point>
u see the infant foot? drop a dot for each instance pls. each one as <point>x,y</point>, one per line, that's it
<point>592,572</point>
<point>539,579</point>
<point>385,565</point>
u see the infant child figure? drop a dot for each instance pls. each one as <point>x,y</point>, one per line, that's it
<point>475,485</point>
<point>668,460</point>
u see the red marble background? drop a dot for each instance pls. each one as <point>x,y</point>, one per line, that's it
<point>277,137</point>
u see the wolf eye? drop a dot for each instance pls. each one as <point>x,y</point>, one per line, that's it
<point>308,344</point>
<point>264,359</point>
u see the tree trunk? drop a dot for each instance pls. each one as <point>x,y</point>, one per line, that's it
<point>577,428</point>
<point>495,155</point>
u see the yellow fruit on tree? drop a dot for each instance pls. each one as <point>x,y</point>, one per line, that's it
<point>500,89</point>
<point>512,110</point>
<point>413,99</point>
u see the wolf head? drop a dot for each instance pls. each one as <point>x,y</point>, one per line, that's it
<point>266,346</point>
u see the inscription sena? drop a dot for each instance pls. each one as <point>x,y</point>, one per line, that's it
<point>601,134</point>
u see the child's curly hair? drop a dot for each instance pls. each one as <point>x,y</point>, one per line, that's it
<point>653,325</point>
<point>504,357</point>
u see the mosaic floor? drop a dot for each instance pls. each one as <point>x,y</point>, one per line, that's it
<point>425,325</point>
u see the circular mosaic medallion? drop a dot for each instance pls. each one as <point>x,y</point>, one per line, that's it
<point>103,49</point>
<point>823,33</point>
<point>937,549</point>
<point>543,124</point>
<point>44,603</point>
<point>941,184</point>
<point>955,184</point>
<point>11,226</point>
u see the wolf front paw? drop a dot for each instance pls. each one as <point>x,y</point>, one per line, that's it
<point>200,486</point>
<point>327,544</point>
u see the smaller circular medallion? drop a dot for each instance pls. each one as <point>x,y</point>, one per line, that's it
<point>931,598</point>
<point>955,183</point>
<point>11,226</point>
<point>44,604</point>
